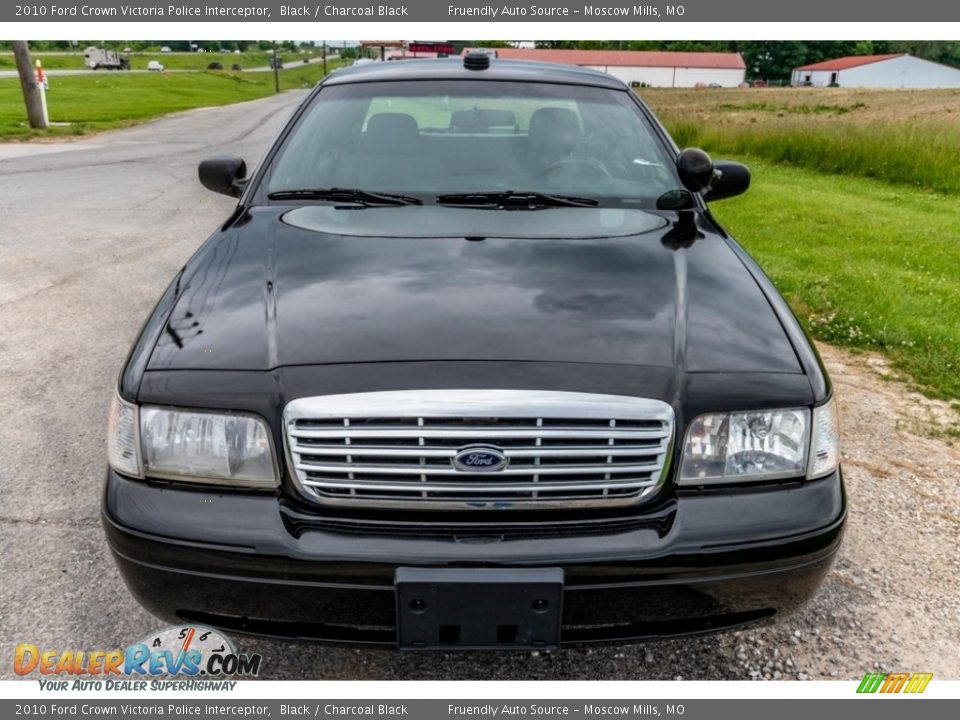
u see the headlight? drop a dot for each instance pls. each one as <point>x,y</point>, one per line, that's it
<point>743,446</point>
<point>123,438</point>
<point>207,447</point>
<point>825,447</point>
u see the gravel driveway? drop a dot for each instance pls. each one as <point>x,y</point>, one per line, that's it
<point>90,234</point>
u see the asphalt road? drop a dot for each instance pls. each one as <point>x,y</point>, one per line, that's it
<point>91,232</point>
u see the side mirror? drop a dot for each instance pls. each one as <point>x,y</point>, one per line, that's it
<point>225,175</point>
<point>695,169</point>
<point>733,179</point>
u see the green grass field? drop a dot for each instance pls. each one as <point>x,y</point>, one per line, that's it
<point>114,99</point>
<point>864,264</point>
<point>854,210</point>
<point>908,137</point>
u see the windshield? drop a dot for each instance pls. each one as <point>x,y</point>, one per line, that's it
<point>435,140</point>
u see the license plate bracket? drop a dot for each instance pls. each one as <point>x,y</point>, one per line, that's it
<point>478,609</point>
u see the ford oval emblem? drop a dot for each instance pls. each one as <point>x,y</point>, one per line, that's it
<point>479,458</point>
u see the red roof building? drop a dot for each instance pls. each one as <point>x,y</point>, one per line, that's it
<point>852,61</point>
<point>896,70</point>
<point>653,68</point>
<point>625,58</point>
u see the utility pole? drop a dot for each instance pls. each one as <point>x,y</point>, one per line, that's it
<point>28,81</point>
<point>276,69</point>
<point>324,52</point>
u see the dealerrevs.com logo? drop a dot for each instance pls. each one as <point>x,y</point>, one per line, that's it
<point>185,651</point>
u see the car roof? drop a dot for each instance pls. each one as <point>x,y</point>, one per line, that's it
<point>453,69</point>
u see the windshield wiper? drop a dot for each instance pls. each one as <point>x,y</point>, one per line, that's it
<point>361,197</point>
<point>514,199</point>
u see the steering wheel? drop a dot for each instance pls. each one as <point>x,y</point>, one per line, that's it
<point>594,166</point>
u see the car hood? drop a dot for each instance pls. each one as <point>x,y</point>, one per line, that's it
<point>286,286</point>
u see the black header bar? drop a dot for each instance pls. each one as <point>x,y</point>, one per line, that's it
<point>739,11</point>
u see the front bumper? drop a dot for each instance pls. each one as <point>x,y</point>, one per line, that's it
<point>257,564</point>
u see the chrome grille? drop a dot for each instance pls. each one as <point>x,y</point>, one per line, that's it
<point>396,449</point>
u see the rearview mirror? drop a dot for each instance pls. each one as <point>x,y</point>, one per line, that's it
<point>225,175</point>
<point>675,200</point>
<point>732,179</point>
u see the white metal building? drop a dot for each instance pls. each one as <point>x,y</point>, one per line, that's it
<point>877,71</point>
<point>653,68</point>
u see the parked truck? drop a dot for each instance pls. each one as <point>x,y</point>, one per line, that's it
<point>100,58</point>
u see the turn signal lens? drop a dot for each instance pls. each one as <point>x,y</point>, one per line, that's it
<point>825,450</point>
<point>123,438</point>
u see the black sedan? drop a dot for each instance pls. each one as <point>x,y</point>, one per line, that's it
<point>472,365</point>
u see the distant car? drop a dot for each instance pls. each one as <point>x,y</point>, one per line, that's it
<point>128,49</point>
<point>760,83</point>
<point>165,49</point>
<point>743,85</point>
<point>215,66</point>
<point>236,52</point>
<point>700,85</point>
<point>715,85</point>
<point>276,63</point>
<point>236,67</point>
<point>155,66</point>
<point>200,50</point>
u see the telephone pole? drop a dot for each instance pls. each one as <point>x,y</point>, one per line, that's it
<point>28,81</point>
<point>276,69</point>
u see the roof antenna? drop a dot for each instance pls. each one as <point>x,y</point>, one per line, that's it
<point>476,61</point>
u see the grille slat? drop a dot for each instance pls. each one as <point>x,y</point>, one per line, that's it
<point>452,472</point>
<point>472,432</point>
<point>361,485</point>
<point>396,449</point>
<point>602,451</point>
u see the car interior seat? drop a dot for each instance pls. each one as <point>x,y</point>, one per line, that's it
<point>391,155</point>
<point>554,135</point>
